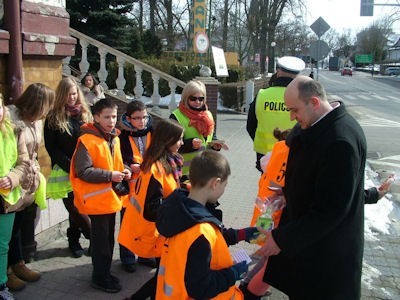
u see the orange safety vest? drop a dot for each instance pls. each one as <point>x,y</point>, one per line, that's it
<point>97,198</point>
<point>137,158</point>
<point>171,274</point>
<point>137,234</point>
<point>274,173</point>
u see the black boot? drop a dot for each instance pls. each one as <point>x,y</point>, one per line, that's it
<point>73,243</point>
<point>247,294</point>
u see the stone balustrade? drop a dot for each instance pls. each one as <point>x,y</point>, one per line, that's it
<point>122,60</point>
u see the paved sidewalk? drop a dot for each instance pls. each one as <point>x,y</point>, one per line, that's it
<point>64,277</point>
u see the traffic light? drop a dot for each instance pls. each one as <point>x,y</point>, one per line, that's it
<point>367,8</point>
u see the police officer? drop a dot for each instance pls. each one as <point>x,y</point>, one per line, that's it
<point>268,110</point>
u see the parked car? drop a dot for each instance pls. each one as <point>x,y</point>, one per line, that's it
<point>392,71</point>
<point>347,71</point>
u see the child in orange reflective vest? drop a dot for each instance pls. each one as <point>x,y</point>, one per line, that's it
<point>195,262</point>
<point>96,170</point>
<point>159,177</point>
<point>136,130</point>
<point>270,183</point>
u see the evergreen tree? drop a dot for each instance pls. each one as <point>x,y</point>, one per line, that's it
<point>103,20</point>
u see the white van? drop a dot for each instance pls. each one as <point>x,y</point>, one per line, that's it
<point>392,71</point>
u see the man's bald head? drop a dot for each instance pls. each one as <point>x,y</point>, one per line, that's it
<point>307,88</point>
<point>306,101</point>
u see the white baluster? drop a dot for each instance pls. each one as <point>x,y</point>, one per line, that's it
<point>84,64</point>
<point>65,65</point>
<point>155,98</point>
<point>120,80</point>
<point>102,73</point>
<point>138,90</point>
<point>172,103</point>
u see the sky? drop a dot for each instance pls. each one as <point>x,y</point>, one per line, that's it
<point>345,14</point>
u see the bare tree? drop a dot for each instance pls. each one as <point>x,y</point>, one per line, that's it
<point>374,39</point>
<point>153,6</point>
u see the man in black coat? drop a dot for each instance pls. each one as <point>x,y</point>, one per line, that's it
<point>316,252</point>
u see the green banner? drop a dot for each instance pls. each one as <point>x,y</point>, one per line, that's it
<point>364,58</point>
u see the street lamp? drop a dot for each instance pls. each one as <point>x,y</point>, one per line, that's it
<point>273,44</point>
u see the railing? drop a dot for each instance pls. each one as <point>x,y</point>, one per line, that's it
<point>122,59</point>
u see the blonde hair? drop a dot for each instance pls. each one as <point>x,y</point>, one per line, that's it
<point>58,118</point>
<point>191,88</point>
<point>35,102</point>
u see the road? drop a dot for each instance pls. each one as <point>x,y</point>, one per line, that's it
<point>375,101</point>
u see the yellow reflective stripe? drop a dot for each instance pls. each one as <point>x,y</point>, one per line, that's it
<point>167,290</point>
<point>135,204</point>
<point>85,196</point>
<point>133,180</point>
<point>58,179</point>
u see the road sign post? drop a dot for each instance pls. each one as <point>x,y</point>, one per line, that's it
<point>367,8</point>
<point>363,58</point>
<point>319,27</point>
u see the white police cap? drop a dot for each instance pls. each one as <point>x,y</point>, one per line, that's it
<point>291,64</point>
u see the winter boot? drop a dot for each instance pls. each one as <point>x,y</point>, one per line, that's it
<point>5,293</point>
<point>73,243</point>
<point>13,282</point>
<point>24,273</point>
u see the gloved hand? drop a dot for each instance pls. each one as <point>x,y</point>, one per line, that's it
<point>247,234</point>
<point>239,270</point>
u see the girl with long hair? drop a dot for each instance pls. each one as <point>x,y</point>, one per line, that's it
<point>13,160</point>
<point>61,132</point>
<point>27,114</point>
<point>159,177</point>
<point>91,89</point>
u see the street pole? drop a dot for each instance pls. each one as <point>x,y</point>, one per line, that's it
<point>209,34</point>
<point>318,50</point>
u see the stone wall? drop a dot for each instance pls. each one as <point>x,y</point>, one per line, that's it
<point>43,70</point>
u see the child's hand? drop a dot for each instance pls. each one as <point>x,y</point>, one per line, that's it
<point>247,234</point>
<point>239,270</point>
<point>127,173</point>
<point>135,168</point>
<point>196,143</point>
<point>5,183</point>
<point>117,176</point>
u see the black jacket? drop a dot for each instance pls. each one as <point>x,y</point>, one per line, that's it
<point>60,145</point>
<point>178,213</point>
<point>321,233</point>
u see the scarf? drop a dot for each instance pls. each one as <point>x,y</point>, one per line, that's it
<point>176,163</point>
<point>201,120</point>
<point>73,110</point>
<point>133,131</point>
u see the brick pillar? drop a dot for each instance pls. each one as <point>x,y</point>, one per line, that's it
<point>212,95</point>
